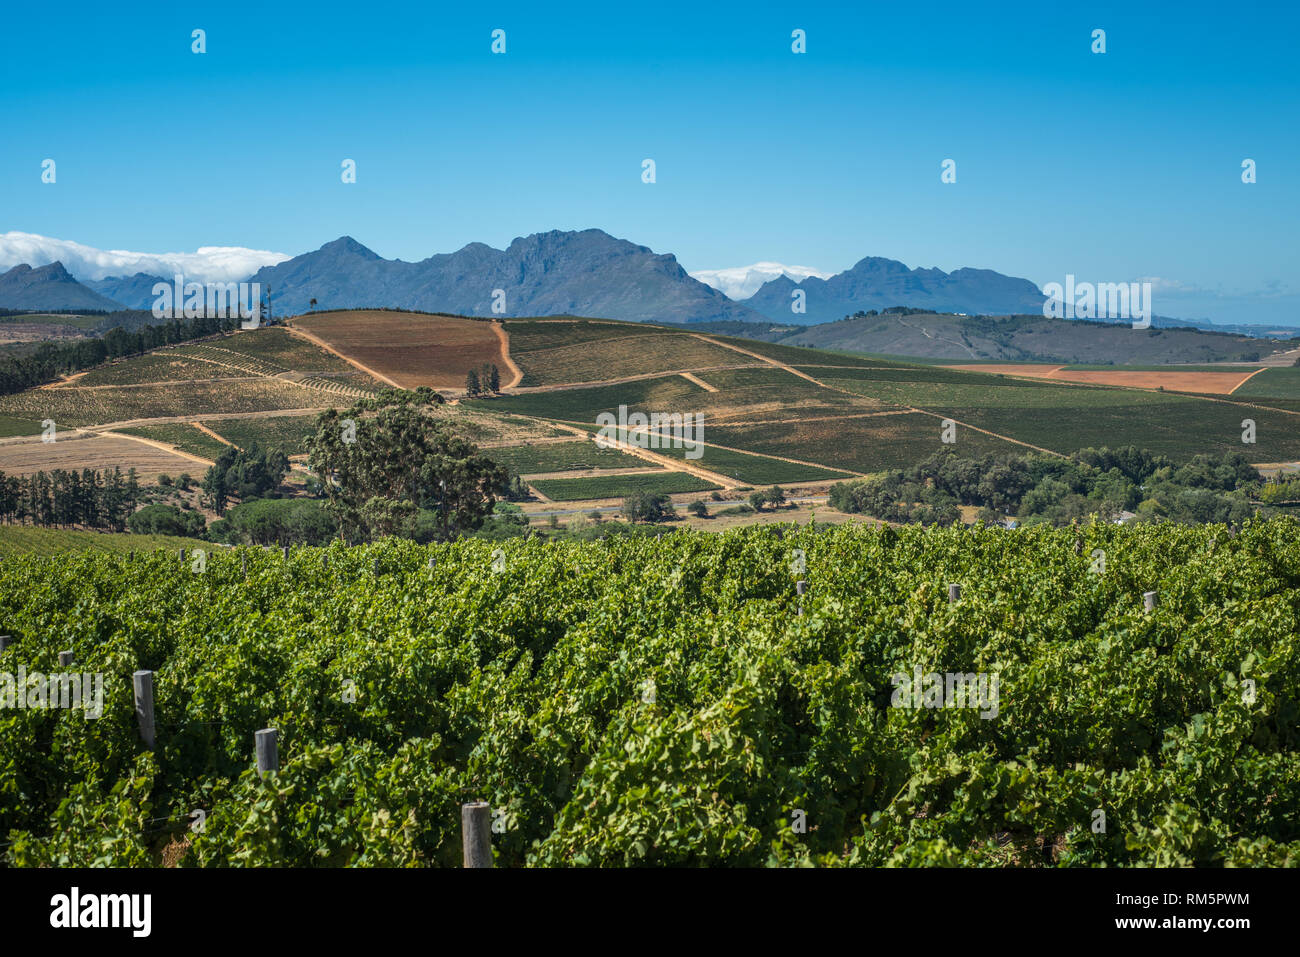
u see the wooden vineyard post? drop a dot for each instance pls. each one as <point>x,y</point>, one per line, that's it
<point>476,833</point>
<point>954,593</point>
<point>268,753</point>
<point>1148,601</point>
<point>65,659</point>
<point>142,685</point>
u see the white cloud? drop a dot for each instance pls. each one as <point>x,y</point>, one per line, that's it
<point>741,282</point>
<point>206,264</point>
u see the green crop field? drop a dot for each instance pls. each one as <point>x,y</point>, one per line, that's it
<point>562,457</point>
<point>27,540</point>
<point>862,444</point>
<point>618,486</point>
<point>180,434</point>
<point>10,426</point>
<point>1280,383</point>
<point>754,469</point>
<point>643,702</point>
<point>287,432</point>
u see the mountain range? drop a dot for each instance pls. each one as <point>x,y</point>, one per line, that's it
<point>585,273</point>
<point>48,288</point>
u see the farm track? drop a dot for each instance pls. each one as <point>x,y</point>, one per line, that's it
<point>516,373</point>
<point>317,341</point>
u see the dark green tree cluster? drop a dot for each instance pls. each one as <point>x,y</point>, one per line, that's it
<point>89,498</point>
<point>485,380</point>
<point>244,474</point>
<point>648,507</point>
<point>774,496</point>
<point>159,519</point>
<point>276,521</point>
<point>400,470</point>
<point>1041,488</point>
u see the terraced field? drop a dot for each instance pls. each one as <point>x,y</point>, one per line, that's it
<point>163,366</point>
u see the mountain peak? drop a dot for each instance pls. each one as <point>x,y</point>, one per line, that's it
<point>346,244</point>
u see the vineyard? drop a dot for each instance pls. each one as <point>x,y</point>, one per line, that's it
<point>679,701</point>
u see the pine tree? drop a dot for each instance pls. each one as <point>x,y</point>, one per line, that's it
<point>471,382</point>
<point>494,379</point>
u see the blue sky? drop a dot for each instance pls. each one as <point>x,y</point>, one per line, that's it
<point>1112,167</point>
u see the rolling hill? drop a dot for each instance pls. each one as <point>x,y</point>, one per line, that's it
<point>1021,338</point>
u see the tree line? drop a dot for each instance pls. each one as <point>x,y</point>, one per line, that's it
<point>89,498</point>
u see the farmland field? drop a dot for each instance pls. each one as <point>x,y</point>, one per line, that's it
<point>70,407</point>
<point>81,451</point>
<point>618,486</point>
<point>160,366</point>
<point>643,702</point>
<point>1274,383</point>
<point>183,435</point>
<point>562,457</point>
<point>754,469</point>
<point>410,349</point>
<point>10,426</point>
<point>617,357</point>
<point>861,444</point>
<point>286,432</point>
<point>1217,382</point>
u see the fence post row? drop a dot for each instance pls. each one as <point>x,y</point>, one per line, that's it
<point>476,833</point>
<point>142,685</point>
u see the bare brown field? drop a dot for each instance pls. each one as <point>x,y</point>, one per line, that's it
<point>408,349</point>
<point>1207,383</point>
<point>83,451</point>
